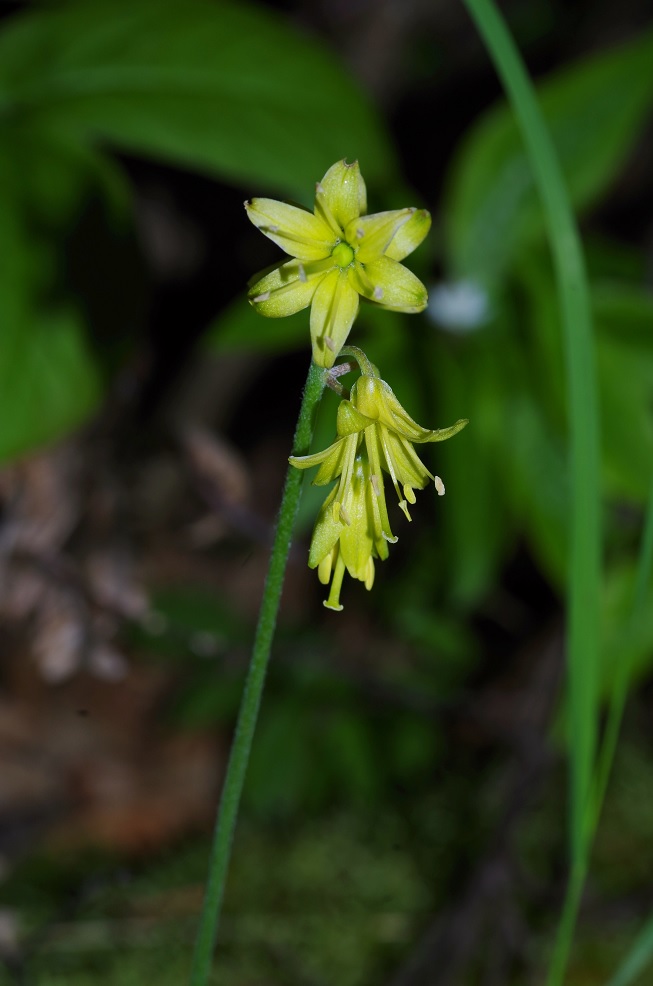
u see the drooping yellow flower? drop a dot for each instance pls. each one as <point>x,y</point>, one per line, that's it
<point>395,433</point>
<point>352,545</point>
<point>375,435</point>
<point>339,254</point>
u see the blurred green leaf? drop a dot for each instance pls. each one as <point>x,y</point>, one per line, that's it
<point>623,315</point>
<point>627,638</point>
<point>469,380</point>
<point>594,111</point>
<point>48,380</point>
<point>626,378</point>
<point>537,479</point>
<point>638,959</point>
<point>227,87</point>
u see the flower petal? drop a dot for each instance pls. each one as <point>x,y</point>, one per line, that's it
<point>350,419</point>
<point>326,533</point>
<point>286,289</point>
<point>332,453</point>
<point>335,305</point>
<point>342,191</point>
<point>409,236</point>
<point>374,398</point>
<point>391,285</point>
<point>356,539</point>
<point>297,231</point>
<point>407,466</point>
<point>374,234</point>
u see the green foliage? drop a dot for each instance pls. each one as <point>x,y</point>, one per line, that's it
<point>594,111</point>
<point>230,89</point>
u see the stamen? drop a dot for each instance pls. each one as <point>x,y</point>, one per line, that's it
<point>302,274</point>
<point>261,297</point>
<point>360,233</point>
<point>374,479</point>
<point>344,516</point>
<point>330,344</point>
<point>378,293</point>
<point>439,485</point>
<point>273,229</point>
<point>404,507</point>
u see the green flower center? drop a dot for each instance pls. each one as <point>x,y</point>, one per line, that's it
<point>342,254</point>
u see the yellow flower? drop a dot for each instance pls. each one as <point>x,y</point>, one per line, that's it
<point>374,435</point>
<point>353,545</point>
<point>395,432</point>
<point>338,254</point>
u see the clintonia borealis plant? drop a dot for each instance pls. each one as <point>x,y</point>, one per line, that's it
<point>338,255</point>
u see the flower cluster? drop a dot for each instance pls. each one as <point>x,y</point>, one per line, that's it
<point>375,435</point>
<point>338,254</point>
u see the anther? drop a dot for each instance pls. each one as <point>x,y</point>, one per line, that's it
<point>302,274</point>
<point>330,344</point>
<point>439,485</point>
<point>261,297</point>
<point>360,233</point>
<point>374,479</point>
<point>378,293</point>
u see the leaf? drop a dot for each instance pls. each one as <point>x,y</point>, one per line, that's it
<point>468,380</point>
<point>230,88</point>
<point>48,379</point>
<point>638,959</point>
<point>594,111</point>
<point>626,637</point>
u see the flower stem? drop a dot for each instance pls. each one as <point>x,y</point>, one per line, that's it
<point>251,700</point>
<point>585,562</point>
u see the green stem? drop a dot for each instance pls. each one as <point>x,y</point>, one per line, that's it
<point>623,674</point>
<point>584,572</point>
<point>251,700</point>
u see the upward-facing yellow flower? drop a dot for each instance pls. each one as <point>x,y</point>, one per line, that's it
<point>339,254</point>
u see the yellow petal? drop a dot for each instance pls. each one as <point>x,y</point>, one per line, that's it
<point>297,231</point>
<point>342,192</point>
<point>335,305</point>
<point>356,538</point>
<point>308,461</point>
<point>350,419</point>
<point>326,533</point>
<point>287,289</point>
<point>409,236</point>
<point>403,463</point>
<point>374,234</point>
<point>392,286</point>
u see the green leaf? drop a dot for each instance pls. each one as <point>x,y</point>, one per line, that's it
<point>638,959</point>
<point>594,111</point>
<point>48,379</point>
<point>627,636</point>
<point>468,380</point>
<point>230,88</point>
